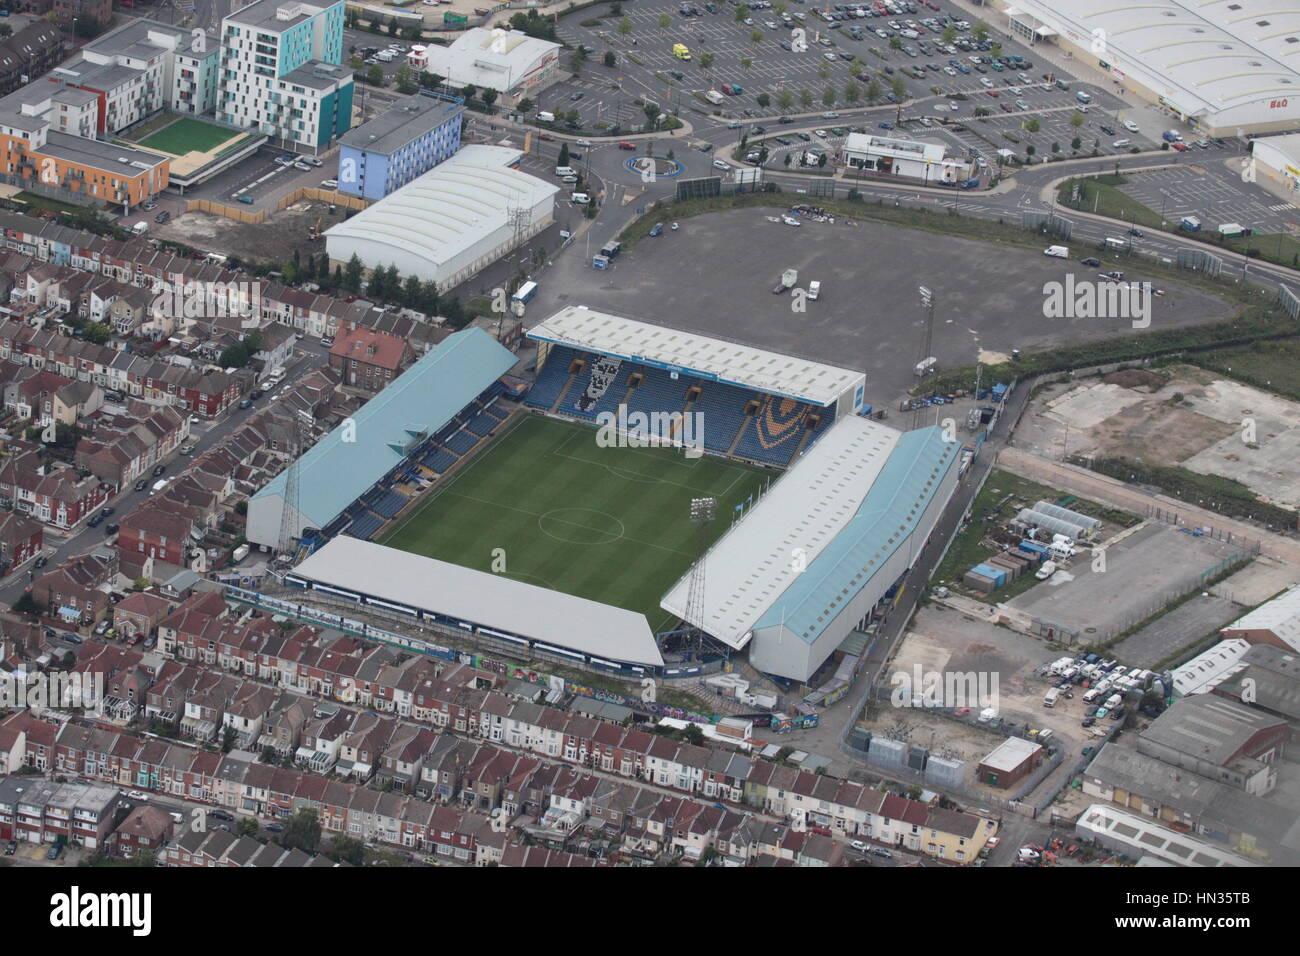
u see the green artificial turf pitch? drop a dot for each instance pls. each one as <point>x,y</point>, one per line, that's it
<point>609,524</point>
<point>186,134</point>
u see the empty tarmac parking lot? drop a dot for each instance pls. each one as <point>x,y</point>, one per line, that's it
<point>724,266</point>
<point>1148,568</point>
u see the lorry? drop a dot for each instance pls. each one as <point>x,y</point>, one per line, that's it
<point>788,278</point>
<point>239,554</point>
<point>1049,700</point>
<point>1046,571</point>
<point>927,366</point>
<point>1060,252</point>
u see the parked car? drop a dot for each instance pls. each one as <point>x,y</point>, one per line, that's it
<point>274,828</point>
<point>137,795</point>
<point>162,217</point>
<point>55,852</point>
<point>1090,261</point>
<point>221,815</point>
<point>859,845</point>
<point>159,470</point>
<point>11,848</point>
<point>881,852</point>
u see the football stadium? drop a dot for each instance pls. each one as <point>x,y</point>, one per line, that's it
<point>657,498</point>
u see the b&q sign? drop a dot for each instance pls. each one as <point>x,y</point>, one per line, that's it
<point>1277,104</point>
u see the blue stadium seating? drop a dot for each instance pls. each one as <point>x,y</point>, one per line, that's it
<point>498,413</point>
<point>551,379</point>
<point>483,424</point>
<point>365,525</point>
<point>462,442</point>
<point>774,433</point>
<point>391,503</point>
<point>441,460</point>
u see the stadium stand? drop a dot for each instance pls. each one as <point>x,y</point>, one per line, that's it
<point>462,442</point>
<point>390,503</point>
<point>776,432</point>
<point>482,424</point>
<point>365,525</point>
<point>441,460</point>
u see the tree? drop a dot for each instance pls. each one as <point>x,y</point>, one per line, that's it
<point>610,59</point>
<point>824,71</point>
<point>898,87</point>
<point>624,26</point>
<point>821,161</point>
<point>828,96</point>
<point>742,13</point>
<point>981,31</point>
<point>1033,126</point>
<point>1056,147</point>
<point>393,28</point>
<point>852,92</point>
<point>302,832</point>
<point>468,91</point>
<point>1030,149</point>
<point>1076,119</point>
<point>247,826</point>
<point>404,77</point>
<point>526,105</point>
<point>664,21</point>
<point>995,50</point>
<point>345,849</point>
<point>352,273</point>
<point>488,97</point>
<point>575,62</point>
<point>787,160</point>
<point>563,159</point>
<point>228,737</point>
<point>746,62</point>
<point>949,34</point>
<point>755,36</point>
<point>375,75</point>
<point>805,98</point>
<point>763,100</point>
<point>784,99</point>
<point>96,333</point>
<point>873,90</point>
<point>693,735</point>
<point>1075,144</point>
<point>895,43</point>
<point>706,61</point>
<point>651,117</point>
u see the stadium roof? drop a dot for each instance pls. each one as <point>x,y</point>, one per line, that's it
<point>351,458</point>
<point>1212,56</point>
<point>849,502</point>
<point>696,354</point>
<point>490,600</point>
<point>1280,617</point>
<point>450,208</point>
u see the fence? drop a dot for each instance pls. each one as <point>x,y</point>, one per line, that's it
<point>324,195</point>
<point>1289,301</point>
<point>38,188</point>
<point>1047,223</point>
<point>1198,260</point>
<point>229,212</point>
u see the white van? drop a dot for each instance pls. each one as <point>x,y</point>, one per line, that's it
<point>1120,143</point>
<point>580,198</point>
<point>159,486</point>
<point>1049,700</point>
<point>140,228</point>
<point>565,171</point>
<point>814,289</point>
<point>568,180</point>
<point>545,117</point>
<point>1059,252</point>
<point>177,818</point>
<point>1043,573</point>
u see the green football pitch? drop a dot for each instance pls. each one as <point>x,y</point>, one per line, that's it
<point>609,524</point>
<point>187,134</point>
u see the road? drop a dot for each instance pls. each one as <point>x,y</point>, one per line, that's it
<point>309,356</point>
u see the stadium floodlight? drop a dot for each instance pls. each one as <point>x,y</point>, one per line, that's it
<point>703,510</point>
<point>926,296</point>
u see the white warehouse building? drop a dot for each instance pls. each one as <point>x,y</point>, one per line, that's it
<point>501,60</point>
<point>1224,67</point>
<point>450,223</point>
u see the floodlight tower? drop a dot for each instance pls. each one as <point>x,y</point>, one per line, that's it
<point>289,516</point>
<point>927,343</point>
<point>703,511</point>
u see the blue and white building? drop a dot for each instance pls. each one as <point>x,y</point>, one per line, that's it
<point>400,144</point>
<point>282,72</point>
<point>803,568</point>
